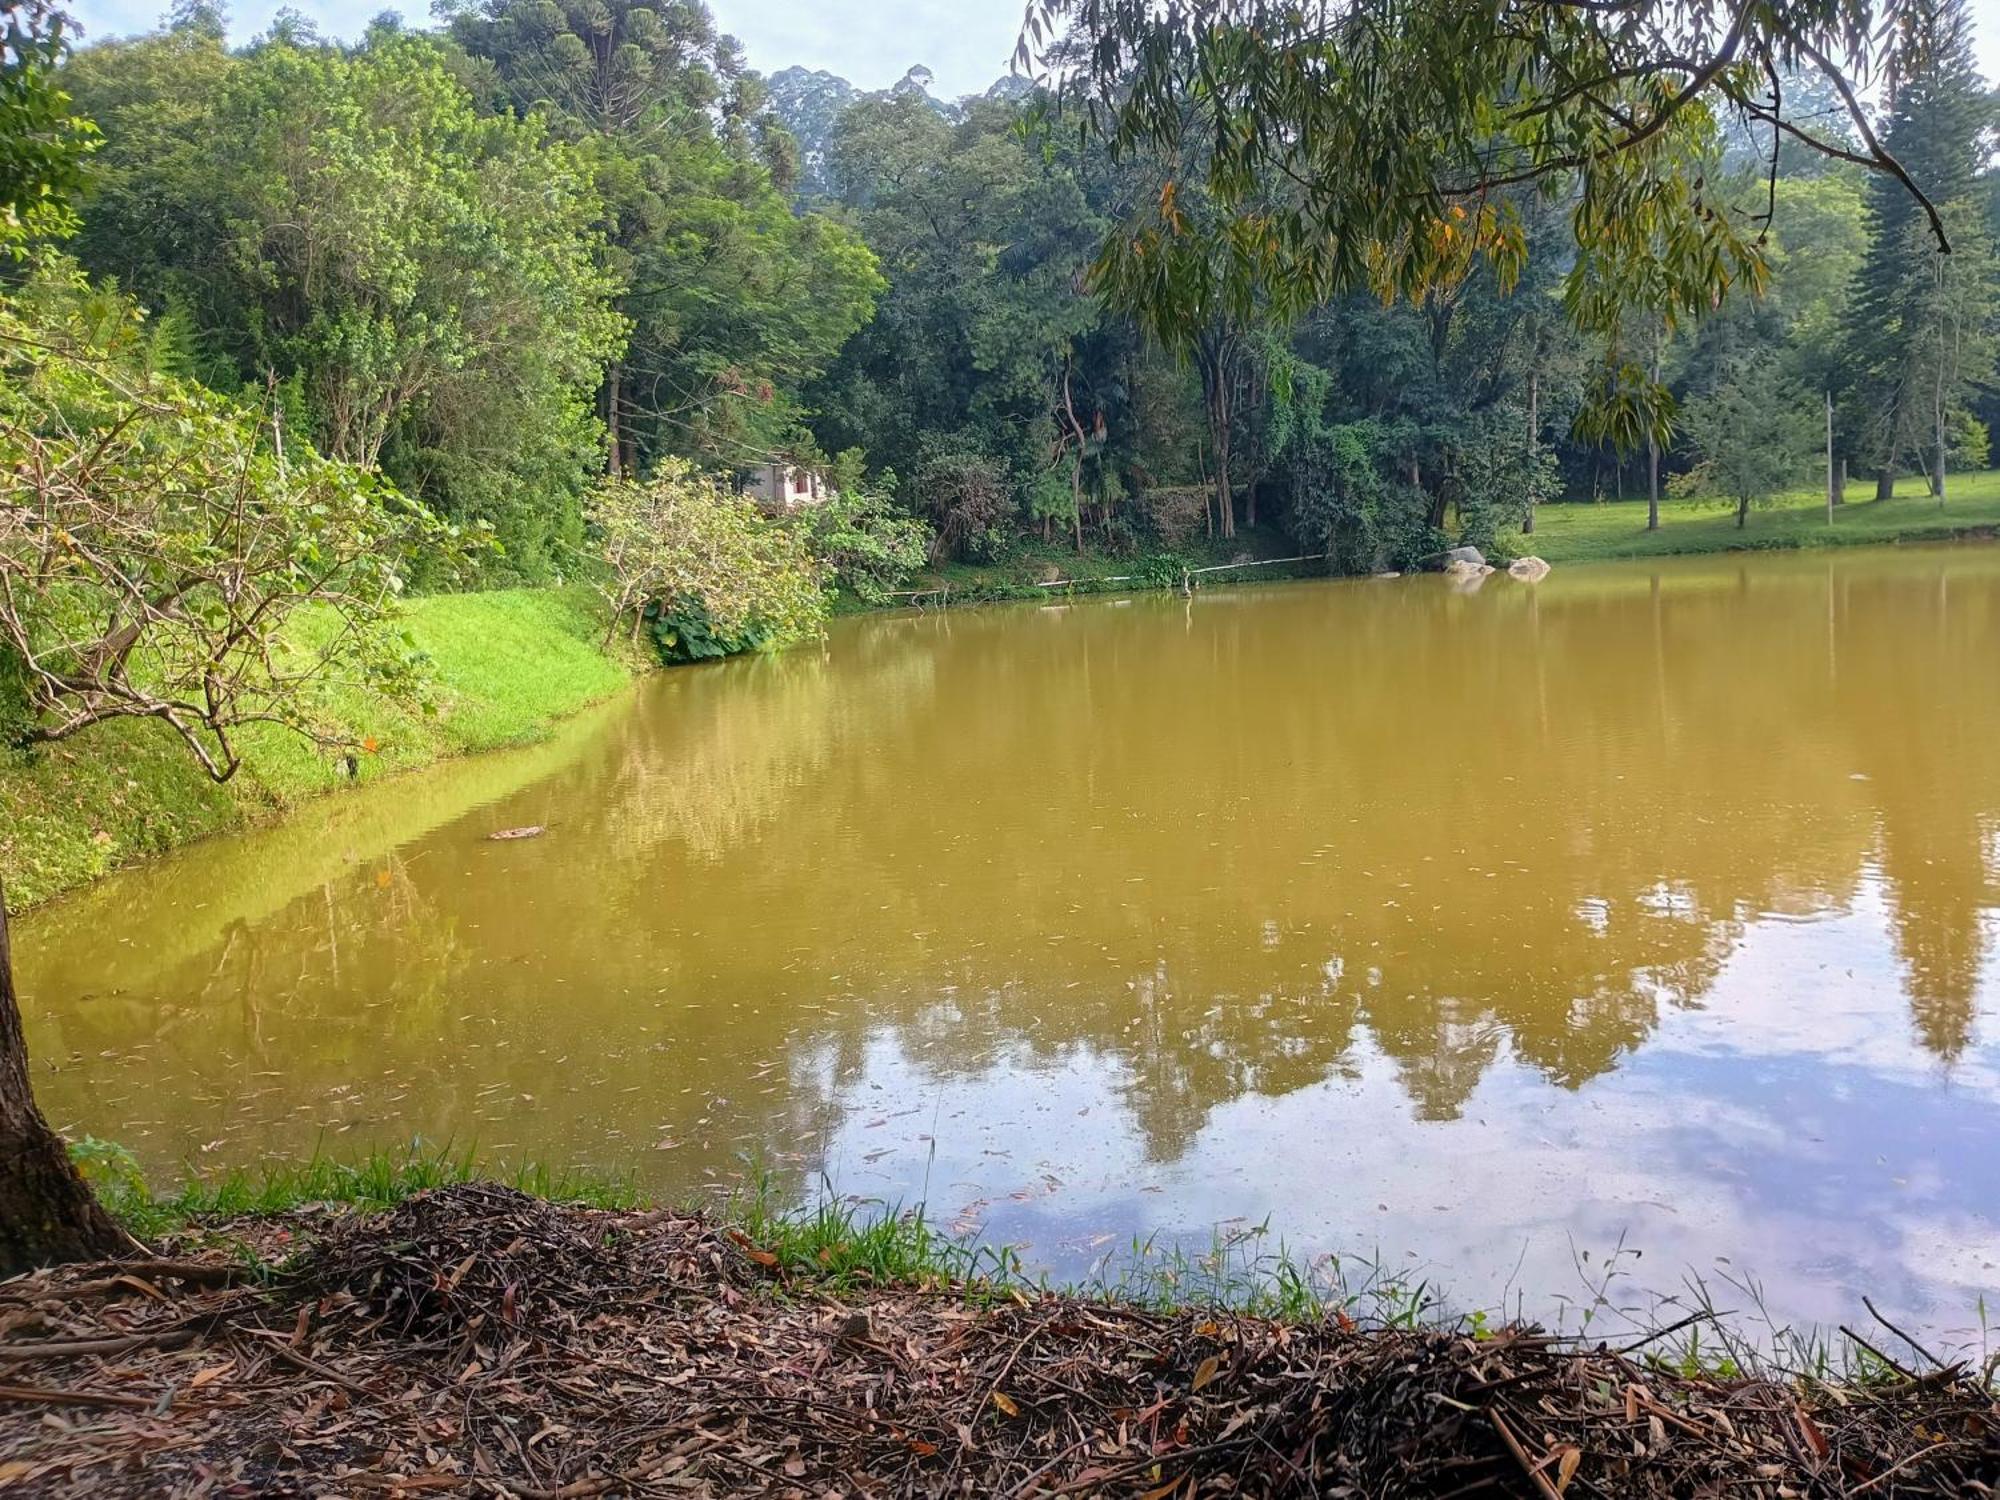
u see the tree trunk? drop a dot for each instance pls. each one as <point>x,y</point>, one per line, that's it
<point>1937,389</point>
<point>1534,435</point>
<point>1937,475</point>
<point>1742,511</point>
<point>1885,483</point>
<point>614,464</point>
<point>1215,354</point>
<point>1225,503</point>
<point>1652,482</point>
<point>47,1212</point>
<point>1653,454</point>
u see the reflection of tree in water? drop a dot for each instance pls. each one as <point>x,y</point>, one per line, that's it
<point>722,749</point>
<point>1205,847</point>
<point>1931,729</point>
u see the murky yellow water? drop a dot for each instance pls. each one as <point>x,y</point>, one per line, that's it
<point>1485,930</point>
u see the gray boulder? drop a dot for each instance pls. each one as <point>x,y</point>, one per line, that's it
<point>1528,569</point>
<point>1466,555</point>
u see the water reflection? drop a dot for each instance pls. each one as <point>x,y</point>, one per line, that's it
<point>1652,901</point>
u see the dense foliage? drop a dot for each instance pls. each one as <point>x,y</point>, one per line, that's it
<point>1376,277</point>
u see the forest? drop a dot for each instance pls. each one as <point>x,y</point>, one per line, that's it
<point>550,246</point>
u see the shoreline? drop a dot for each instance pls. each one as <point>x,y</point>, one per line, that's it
<point>473,1339</point>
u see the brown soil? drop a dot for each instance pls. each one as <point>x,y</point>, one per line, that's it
<point>475,1341</point>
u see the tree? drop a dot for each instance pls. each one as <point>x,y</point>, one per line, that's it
<point>702,566</point>
<point>733,301</point>
<point>1365,146</point>
<point>982,333</point>
<point>860,537</point>
<point>419,284</point>
<point>164,556</point>
<point>1754,433</point>
<point>42,143</point>
<point>1912,349</point>
<point>47,1212</point>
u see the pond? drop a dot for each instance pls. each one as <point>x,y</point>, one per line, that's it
<point>1636,924</point>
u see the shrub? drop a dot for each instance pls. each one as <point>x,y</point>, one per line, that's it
<point>966,494</point>
<point>703,567</point>
<point>1177,513</point>
<point>865,541</point>
<point>156,539</point>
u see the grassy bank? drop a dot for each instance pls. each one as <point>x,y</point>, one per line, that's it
<point>504,667</point>
<point>1584,532</point>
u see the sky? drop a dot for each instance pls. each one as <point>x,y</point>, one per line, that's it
<point>965,43</point>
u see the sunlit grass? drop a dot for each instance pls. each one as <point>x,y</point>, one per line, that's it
<point>502,667</point>
<point>1580,531</point>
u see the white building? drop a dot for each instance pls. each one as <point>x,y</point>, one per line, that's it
<point>781,485</point>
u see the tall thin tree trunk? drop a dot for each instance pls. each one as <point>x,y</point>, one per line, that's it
<point>47,1212</point>
<point>1653,454</point>
<point>1832,489</point>
<point>1652,482</point>
<point>1534,444</point>
<point>1937,386</point>
<point>614,460</point>
<point>1215,355</point>
<point>1937,419</point>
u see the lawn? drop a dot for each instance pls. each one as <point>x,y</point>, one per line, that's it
<point>1585,532</point>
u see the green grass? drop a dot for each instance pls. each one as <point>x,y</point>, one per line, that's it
<point>503,667</point>
<point>1579,531</point>
<point>378,1180</point>
<point>836,1246</point>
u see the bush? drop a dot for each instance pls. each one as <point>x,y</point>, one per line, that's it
<point>865,541</point>
<point>704,568</point>
<point>1177,513</point>
<point>155,541</point>
<point>1162,570</point>
<point>685,633</point>
<point>966,493</point>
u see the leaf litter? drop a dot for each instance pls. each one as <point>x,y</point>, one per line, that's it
<point>477,1341</point>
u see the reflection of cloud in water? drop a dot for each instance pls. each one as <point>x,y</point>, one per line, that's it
<point>1768,1143</point>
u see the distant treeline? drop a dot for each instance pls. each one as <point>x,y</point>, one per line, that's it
<point>555,239</point>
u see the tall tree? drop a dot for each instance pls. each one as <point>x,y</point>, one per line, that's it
<point>733,300</point>
<point>1914,342</point>
<point>980,343</point>
<point>420,284</point>
<point>47,1213</point>
<point>1361,145</point>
